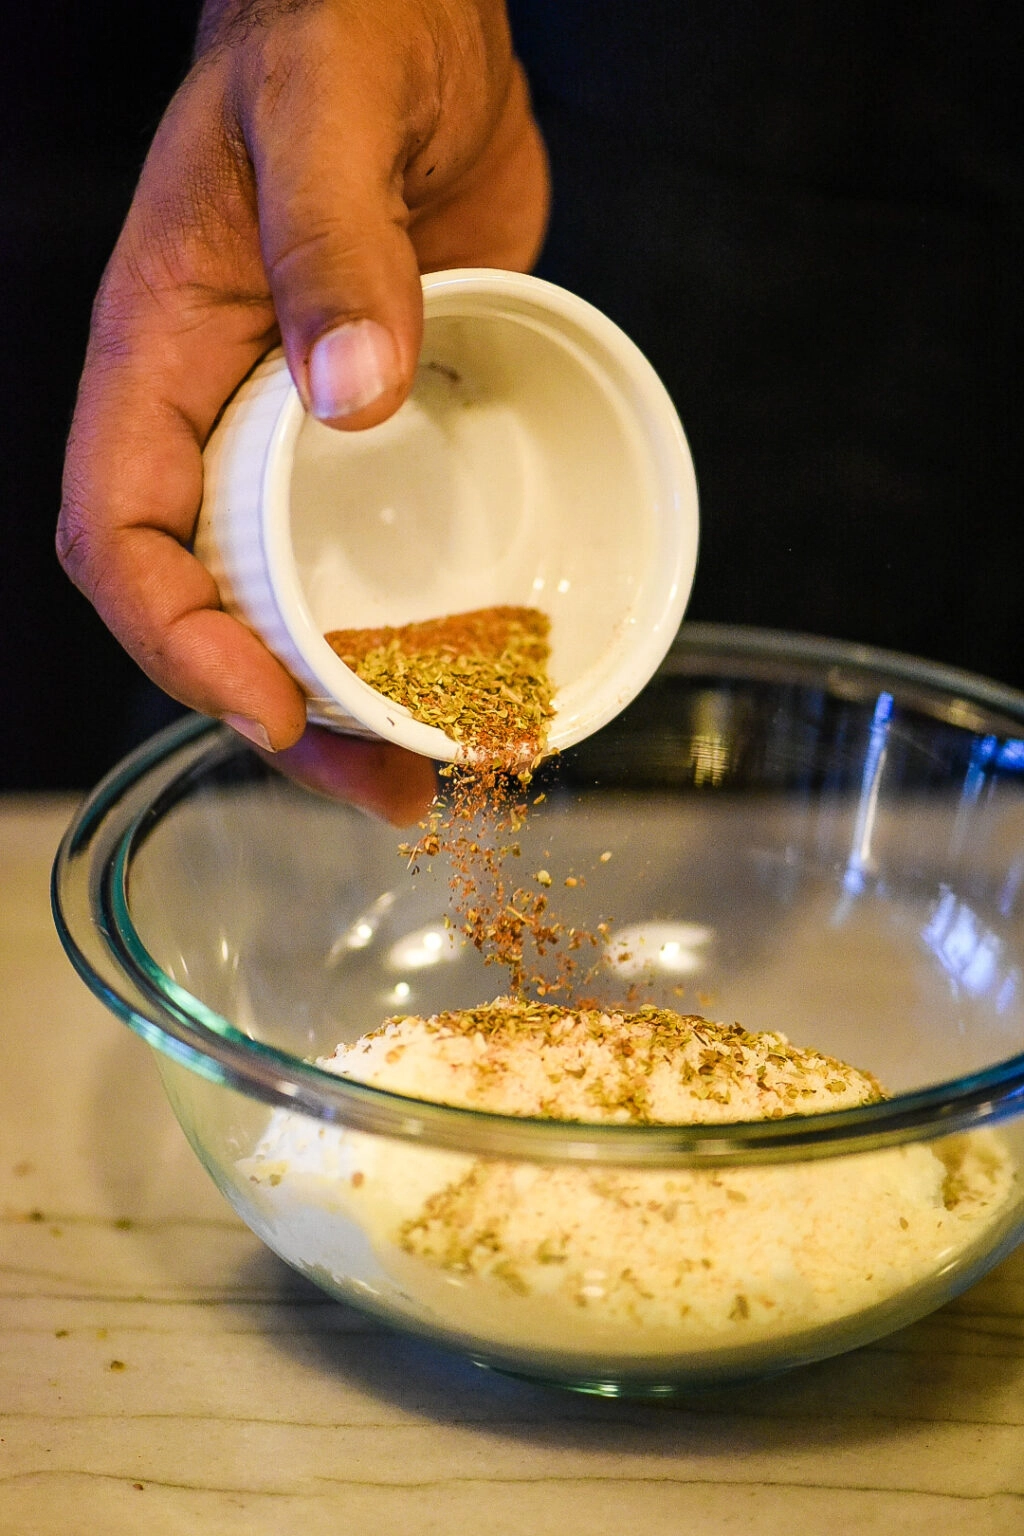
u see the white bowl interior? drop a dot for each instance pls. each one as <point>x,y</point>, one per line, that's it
<point>538,461</point>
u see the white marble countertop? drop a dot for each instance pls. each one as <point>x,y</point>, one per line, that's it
<point>162,1373</point>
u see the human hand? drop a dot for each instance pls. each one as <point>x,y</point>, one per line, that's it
<point>319,155</point>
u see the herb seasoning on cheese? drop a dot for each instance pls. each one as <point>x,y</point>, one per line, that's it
<point>576,1258</point>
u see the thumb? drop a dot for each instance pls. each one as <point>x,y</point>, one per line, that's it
<point>329,147</point>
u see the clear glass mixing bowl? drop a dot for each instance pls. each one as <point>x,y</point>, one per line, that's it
<point>804,836</point>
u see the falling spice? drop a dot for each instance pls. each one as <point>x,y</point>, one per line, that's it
<point>482,678</point>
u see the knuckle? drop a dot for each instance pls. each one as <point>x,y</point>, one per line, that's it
<point>72,542</point>
<point>319,235</point>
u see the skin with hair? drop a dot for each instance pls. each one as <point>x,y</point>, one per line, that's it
<point>319,156</point>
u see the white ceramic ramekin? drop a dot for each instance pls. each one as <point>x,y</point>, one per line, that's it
<point>538,461</point>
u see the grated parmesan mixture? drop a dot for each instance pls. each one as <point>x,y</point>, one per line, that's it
<point>653,1066</point>
<point>578,1259</point>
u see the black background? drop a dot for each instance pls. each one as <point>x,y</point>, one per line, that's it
<point>84,86</point>
<point>808,216</point>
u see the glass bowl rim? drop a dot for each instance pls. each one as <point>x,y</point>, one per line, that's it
<point>92,914</point>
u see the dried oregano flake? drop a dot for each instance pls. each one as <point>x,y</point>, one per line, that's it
<point>481,677</point>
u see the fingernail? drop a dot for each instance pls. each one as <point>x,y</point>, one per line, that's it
<point>252,730</point>
<point>349,367</point>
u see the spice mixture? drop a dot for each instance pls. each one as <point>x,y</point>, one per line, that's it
<point>482,678</point>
